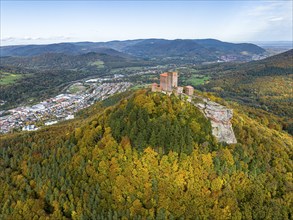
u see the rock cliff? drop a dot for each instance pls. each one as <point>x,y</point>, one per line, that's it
<point>220,117</point>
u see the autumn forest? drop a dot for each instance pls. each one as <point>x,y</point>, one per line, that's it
<point>143,155</point>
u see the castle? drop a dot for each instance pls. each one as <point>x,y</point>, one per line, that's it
<point>219,115</point>
<point>169,83</point>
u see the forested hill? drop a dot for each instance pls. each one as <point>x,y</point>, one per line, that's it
<point>90,61</point>
<point>203,49</point>
<point>103,165</point>
<point>282,60</point>
<point>264,84</point>
<point>198,49</point>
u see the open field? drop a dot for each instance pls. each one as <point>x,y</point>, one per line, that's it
<point>127,69</point>
<point>197,80</point>
<point>76,88</point>
<point>98,64</point>
<point>9,78</point>
<point>194,79</point>
<point>140,86</point>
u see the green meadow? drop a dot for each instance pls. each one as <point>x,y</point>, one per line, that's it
<point>9,78</point>
<point>196,80</point>
<point>98,64</point>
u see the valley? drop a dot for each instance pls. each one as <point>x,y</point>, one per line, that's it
<point>83,137</point>
<point>146,110</point>
<point>81,94</point>
<point>59,108</point>
<point>240,82</point>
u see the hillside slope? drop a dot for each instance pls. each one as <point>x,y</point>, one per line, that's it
<point>51,61</point>
<point>265,84</point>
<point>65,48</point>
<point>87,169</point>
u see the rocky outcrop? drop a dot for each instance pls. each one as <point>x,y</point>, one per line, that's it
<point>220,117</point>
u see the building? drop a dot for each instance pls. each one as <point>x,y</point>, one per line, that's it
<point>164,82</point>
<point>30,128</point>
<point>179,90</point>
<point>173,77</point>
<point>69,117</point>
<point>168,83</point>
<point>189,90</point>
<point>156,88</point>
<point>51,122</point>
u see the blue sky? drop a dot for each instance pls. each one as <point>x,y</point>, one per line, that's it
<point>40,22</point>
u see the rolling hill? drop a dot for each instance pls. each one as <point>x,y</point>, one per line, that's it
<point>107,57</point>
<point>265,84</point>
<point>108,164</point>
<point>39,77</point>
<point>207,49</point>
<point>65,48</point>
<point>198,50</point>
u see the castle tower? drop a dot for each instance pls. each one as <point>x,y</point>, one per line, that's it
<point>189,90</point>
<point>174,79</point>
<point>168,81</point>
<point>156,87</point>
<point>165,82</point>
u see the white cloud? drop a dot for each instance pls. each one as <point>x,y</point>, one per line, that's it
<point>264,9</point>
<point>276,19</point>
<point>259,20</point>
<point>33,40</point>
<point>264,21</point>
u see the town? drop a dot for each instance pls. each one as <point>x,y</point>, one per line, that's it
<point>80,95</point>
<point>77,96</point>
<point>59,108</point>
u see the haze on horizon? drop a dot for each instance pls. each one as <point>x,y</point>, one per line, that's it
<point>43,22</point>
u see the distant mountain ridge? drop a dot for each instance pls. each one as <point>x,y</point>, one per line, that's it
<point>65,48</point>
<point>201,50</point>
<point>66,61</point>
